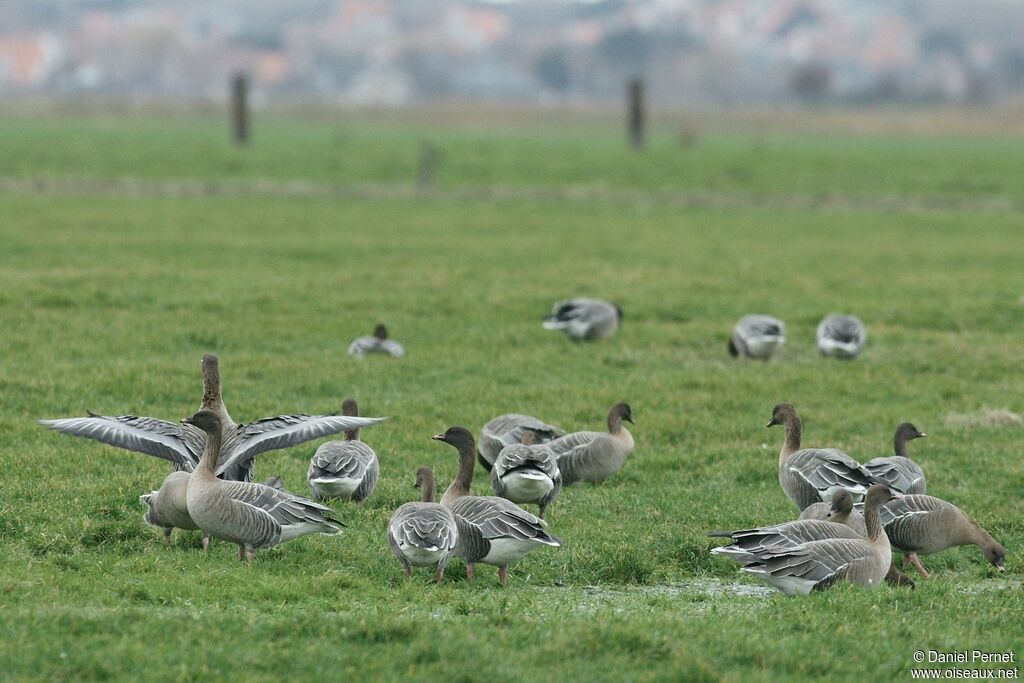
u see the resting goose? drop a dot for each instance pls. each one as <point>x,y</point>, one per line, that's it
<point>527,473</point>
<point>840,511</point>
<point>817,565</point>
<point>182,444</point>
<point>812,475</point>
<point>584,319</point>
<point>899,472</point>
<point>377,343</point>
<point>252,515</point>
<point>491,530</point>
<point>506,430</point>
<point>595,456</point>
<point>757,336</point>
<point>841,336</point>
<point>921,525</point>
<point>344,469</point>
<point>423,534</point>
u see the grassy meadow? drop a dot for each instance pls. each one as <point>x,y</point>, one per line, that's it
<point>109,298</point>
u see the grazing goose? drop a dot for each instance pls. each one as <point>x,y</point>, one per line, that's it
<point>817,565</point>
<point>168,509</point>
<point>491,530</point>
<point>182,444</point>
<point>344,469</point>
<point>378,343</point>
<point>922,525</point>
<point>506,430</point>
<point>527,473</point>
<point>812,475</point>
<point>757,336</point>
<point>840,511</point>
<point>423,534</point>
<point>584,319</point>
<point>899,472</point>
<point>841,336</point>
<point>252,515</point>
<point>595,456</point>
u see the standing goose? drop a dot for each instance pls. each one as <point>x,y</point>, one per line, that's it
<point>812,475</point>
<point>506,430</point>
<point>841,336</point>
<point>527,473</point>
<point>252,515</point>
<point>817,565</point>
<point>899,472</point>
<point>423,534</point>
<point>584,319</point>
<point>344,469</point>
<point>491,530</point>
<point>595,456</point>
<point>922,525</point>
<point>757,336</point>
<point>378,343</point>
<point>182,444</point>
<point>840,511</point>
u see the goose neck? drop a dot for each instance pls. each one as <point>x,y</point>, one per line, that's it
<point>428,488</point>
<point>794,431</point>
<point>464,479</point>
<point>211,454</point>
<point>873,521</point>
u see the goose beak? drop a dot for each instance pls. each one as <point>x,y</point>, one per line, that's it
<point>771,423</point>
<point>1001,568</point>
<point>438,437</point>
<point>630,420</point>
<point>186,420</point>
<point>922,434</point>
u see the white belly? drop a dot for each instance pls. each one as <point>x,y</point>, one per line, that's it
<point>508,550</point>
<point>855,490</point>
<point>422,557</point>
<point>763,347</point>
<point>335,488</point>
<point>830,347</point>
<point>526,486</point>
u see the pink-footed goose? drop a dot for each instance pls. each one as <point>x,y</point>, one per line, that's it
<point>344,469</point>
<point>183,444</point>
<point>757,336</point>
<point>252,515</point>
<point>812,475</point>
<point>425,533</point>
<point>378,342</point>
<point>898,471</point>
<point>584,319</point>
<point>492,530</point>
<point>509,429</point>
<point>841,336</point>
<point>840,511</point>
<point>595,456</point>
<point>817,565</point>
<point>527,473</point>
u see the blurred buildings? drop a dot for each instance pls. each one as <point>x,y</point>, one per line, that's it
<point>394,52</point>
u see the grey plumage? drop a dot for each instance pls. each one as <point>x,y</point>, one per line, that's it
<point>841,336</point>
<point>898,471</point>
<point>376,343</point>
<point>840,511</point>
<point>344,469</point>
<point>595,456</point>
<point>757,336</point>
<point>748,542</point>
<point>527,474</point>
<point>423,533</point>
<point>509,429</point>
<point>584,318</point>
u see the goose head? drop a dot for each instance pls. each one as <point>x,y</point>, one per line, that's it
<point>907,432</point>
<point>879,495</point>
<point>350,408</point>
<point>996,554</point>
<point>842,504</point>
<point>423,476</point>
<point>380,331</point>
<point>460,437</point>
<point>623,412</point>
<point>207,420</point>
<point>783,413</point>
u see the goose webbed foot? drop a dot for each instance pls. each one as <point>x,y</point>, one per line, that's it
<point>167,535</point>
<point>469,571</point>
<point>916,561</point>
<point>250,554</point>
<point>439,576</point>
<point>408,572</point>
<point>241,553</point>
<point>206,542</point>
<point>503,574</point>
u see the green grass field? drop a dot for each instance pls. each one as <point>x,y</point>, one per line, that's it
<point>109,299</point>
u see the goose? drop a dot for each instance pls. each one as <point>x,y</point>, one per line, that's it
<point>812,475</point>
<point>841,336</point>
<point>527,473</point>
<point>168,510</point>
<point>817,565</point>
<point>918,524</point>
<point>584,319</point>
<point>344,469</point>
<point>747,542</point>
<point>252,515</point>
<point>423,534</point>
<point>595,456</point>
<point>506,430</point>
<point>840,511</point>
<point>757,336</point>
<point>899,472</point>
<point>377,343</point>
<point>182,444</point>
<point>492,530</point>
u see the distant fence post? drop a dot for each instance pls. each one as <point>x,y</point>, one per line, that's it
<point>240,108</point>
<point>635,115</point>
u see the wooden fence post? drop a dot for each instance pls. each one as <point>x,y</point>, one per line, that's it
<point>635,117</point>
<point>240,108</point>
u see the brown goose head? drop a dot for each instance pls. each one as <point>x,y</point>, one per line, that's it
<point>380,331</point>
<point>783,414</point>
<point>205,419</point>
<point>842,504</point>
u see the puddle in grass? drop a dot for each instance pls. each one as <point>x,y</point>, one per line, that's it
<point>697,595</point>
<point>993,585</point>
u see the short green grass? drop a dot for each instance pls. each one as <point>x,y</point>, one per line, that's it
<point>109,301</point>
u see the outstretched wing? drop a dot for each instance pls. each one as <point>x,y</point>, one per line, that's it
<point>180,444</point>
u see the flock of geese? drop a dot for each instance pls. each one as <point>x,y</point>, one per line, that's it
<point>530,462</point>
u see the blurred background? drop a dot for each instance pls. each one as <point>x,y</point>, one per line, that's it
<point>700,54</point>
